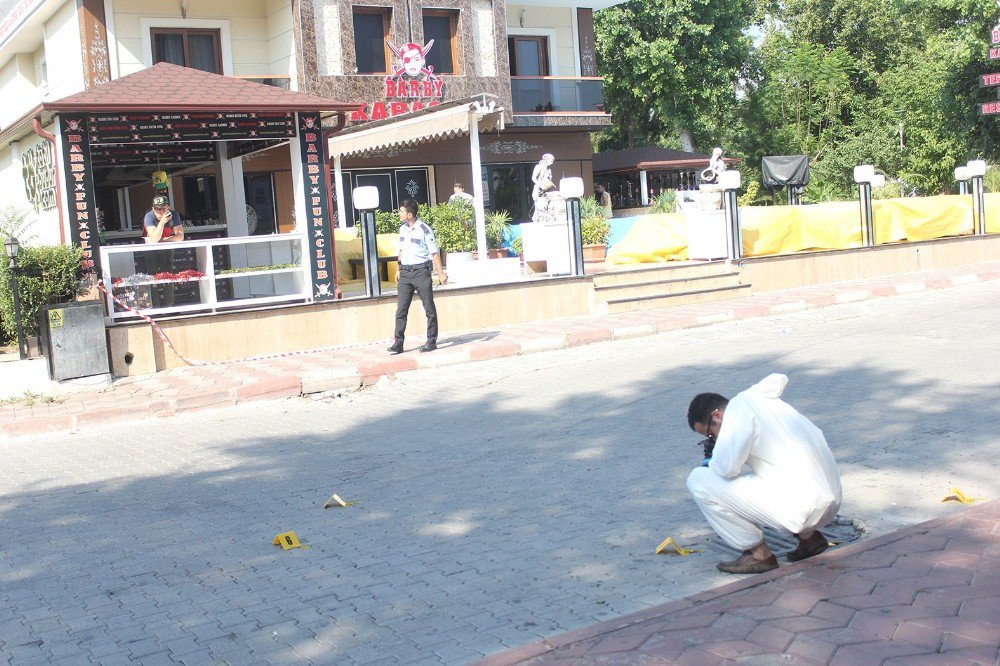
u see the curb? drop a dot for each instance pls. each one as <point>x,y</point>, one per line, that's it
<point>532,650</point>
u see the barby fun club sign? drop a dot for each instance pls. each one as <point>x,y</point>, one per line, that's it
<point>412,86</point>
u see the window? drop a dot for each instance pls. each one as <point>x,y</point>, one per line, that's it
<point>441,25</point>
<point>197,49</point>
<point>371,32</point>
<point>529,56</point>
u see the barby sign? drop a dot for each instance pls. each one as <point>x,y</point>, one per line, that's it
<point>413,85</point>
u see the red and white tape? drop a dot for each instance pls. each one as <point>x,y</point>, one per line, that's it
<point>163,336</point>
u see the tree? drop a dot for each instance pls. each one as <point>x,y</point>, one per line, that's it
<point>670,67</point>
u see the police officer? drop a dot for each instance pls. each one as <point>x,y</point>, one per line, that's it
<point>418,252</point>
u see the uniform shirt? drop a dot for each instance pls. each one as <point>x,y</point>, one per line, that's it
<point>416,244</point>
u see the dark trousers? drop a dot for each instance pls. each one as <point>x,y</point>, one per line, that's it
<point>416,278</point>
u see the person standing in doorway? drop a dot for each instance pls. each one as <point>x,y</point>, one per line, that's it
<point>604,198</point>
<point>418,253</point>
<point>461,196</point>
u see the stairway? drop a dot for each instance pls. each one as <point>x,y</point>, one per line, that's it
<point>662,286</point>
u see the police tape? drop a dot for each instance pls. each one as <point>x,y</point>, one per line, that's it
<point>193,362</point>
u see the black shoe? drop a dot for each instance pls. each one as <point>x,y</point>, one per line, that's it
<point>428,347</point>
<point>396,348</point>
<point>814,545</point>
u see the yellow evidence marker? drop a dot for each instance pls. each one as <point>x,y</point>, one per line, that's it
<point>287,541</point>
<point>670,543</point>
<point>959,496</point>
<point>336,501</point>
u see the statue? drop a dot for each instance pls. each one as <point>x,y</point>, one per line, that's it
<point>544,192</point>
<point>716,165</point>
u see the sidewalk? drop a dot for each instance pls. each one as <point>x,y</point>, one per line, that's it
<point>926,594</point>
<point>349,368</point>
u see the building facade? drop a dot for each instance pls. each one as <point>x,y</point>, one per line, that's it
<point>392,57</point>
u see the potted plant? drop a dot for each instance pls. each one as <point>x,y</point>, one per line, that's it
<point>595,230</point>
<point>454,228</point>
<point>497,231</point>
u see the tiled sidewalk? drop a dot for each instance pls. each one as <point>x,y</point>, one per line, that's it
<point>348,368</point>
<point>927,594</point>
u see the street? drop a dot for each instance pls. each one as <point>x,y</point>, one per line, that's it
<point>493,503</point>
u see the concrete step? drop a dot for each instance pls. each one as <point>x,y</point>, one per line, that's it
<point>647,273</point>
<point>666,286</point>
<point>670,300</point>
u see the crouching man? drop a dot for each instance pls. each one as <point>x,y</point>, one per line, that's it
<point>790,481</point>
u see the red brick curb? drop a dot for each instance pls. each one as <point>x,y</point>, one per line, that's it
<point>532,650</point>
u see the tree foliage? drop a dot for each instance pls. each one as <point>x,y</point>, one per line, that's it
<point>892,83</point>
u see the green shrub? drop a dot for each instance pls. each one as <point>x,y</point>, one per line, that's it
<point>893,189</point>
<point>453,224</point>
<point>665,202</point>
<point>58,281</point>
<point>591,207</point>
<point>517,245</point>
<point>386,222</point>
<point>497,228</point>
<point>991,181</point>
<point>595,230</point>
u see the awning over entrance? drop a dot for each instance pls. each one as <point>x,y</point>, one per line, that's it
<point>440,122</point>
<point>446,121</point>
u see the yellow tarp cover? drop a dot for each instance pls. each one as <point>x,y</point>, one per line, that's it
<point>827,226</point>
<point>348,246</point>
<point>992,208</point>
<point>653,238</point>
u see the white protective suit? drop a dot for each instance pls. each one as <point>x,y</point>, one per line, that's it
<point>792,482</point>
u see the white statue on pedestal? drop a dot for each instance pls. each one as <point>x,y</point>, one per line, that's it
<point>544,194</point>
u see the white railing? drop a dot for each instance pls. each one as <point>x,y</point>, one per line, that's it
<point>205,275</point>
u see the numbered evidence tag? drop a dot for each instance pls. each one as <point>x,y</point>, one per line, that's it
<point>287,541</point>
<point>668,545</point>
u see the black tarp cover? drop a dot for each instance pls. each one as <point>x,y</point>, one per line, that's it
<point>781,170</point>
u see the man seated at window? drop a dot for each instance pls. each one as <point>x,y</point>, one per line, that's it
<point>162,223</point>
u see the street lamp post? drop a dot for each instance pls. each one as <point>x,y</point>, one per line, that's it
<point>866,178</point>
<point>976,170</point>
<point>11,246</point>
<point>366,200</point>
<point>572,190</point>
<point>730,181</point>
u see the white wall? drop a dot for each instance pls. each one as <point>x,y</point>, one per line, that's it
<point>281,40</point>
<point>17,85</point>
<point>43,228</point>
<point>556,23</point>
<point>62,53</point>
<point>246,27</point>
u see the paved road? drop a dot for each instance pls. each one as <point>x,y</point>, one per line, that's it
<point>495,503</point>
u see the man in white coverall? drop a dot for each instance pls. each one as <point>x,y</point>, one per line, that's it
<point>770,466</point>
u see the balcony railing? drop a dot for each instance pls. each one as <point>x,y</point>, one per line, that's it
<point>557,94</point>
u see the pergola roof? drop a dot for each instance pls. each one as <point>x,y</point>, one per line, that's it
<point>652,158</point>
<point>166,87</point>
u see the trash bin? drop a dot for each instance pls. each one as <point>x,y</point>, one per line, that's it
<point>73,340</point>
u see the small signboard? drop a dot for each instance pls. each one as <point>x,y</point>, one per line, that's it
<point>989,109</point>
<point>989,80</point>
<point>198,126</point>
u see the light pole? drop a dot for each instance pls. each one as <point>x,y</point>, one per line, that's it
<point>572,190</point>
<point>366,200</point>
<point>977,170</point>
<point>11,246</point>
<point>866,178</point>
<point>962,176</point>
<point>730,181</point>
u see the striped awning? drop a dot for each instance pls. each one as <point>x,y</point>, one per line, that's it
<point>446,121</point>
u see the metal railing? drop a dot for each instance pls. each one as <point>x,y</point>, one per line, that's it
<point>557,94</point>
